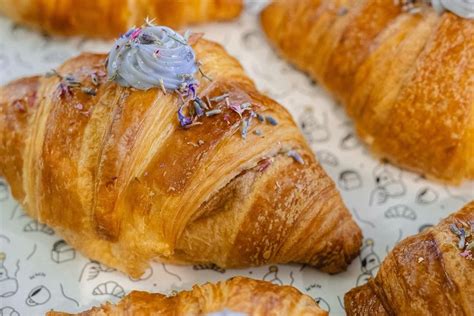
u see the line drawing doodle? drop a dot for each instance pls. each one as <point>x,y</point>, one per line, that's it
<point>272,276</point>
<point>146,275</point>
<point>38,296</point>
<point>350,141</point>
<point>315,129</point>
<point>323,304</point>
<point>3,191</point>
<point>318,299</point>
<point>327,158</point>
<point>369,262</point>
<point>5,238</point>
<point>426,195</point>
<point>400,235</point>
<point>17,265</point>
<point>400,211</point>
<point>35,226</point>
<point>8,311</point>
<point>388,184</point>
<point>360,219</point>
<point>8,285</point>
<point>32,252</point>
<point>341,303</point>
<point>92,269</point>
<point>171,273</point>
<point>67,297</point>
<point>37,274</point>
<point>111,288</point>
<point>424,227</point>
<point>349,180</point>
<point>14,211</point>
<point>209,266</point>
<point>62,252</point>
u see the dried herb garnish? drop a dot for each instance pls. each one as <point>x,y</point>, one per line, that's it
<point>271,120</point>
<point>244,129</point>
<point>89,91</point>
<point>213,112</point>
<point>296,156</point>
<point>464,245</point>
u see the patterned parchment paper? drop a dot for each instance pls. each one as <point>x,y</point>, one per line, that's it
<point>39,271</point>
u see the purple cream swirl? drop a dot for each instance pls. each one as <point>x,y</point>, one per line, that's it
<point>152,56</point>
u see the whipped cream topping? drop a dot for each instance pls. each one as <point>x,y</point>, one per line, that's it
<point>152,56</point>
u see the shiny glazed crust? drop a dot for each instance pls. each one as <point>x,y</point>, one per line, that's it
<point>117,177</point>
<point>110,18</point>
<point>406,79</point>
<point>238,294</point>
<point>423,275</point>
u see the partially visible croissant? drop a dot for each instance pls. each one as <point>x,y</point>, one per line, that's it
<point>426,274</point>
<point>110,18</point>
<point>240,295</point>
<point>117,177</point>
<point>407,79</point>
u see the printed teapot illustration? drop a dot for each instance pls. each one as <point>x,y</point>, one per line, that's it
<point>8,285</point>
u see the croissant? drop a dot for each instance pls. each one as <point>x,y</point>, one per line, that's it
<point>240,295</point>
<point>405,77</point>
<point>426,274</point>
<point>110,170</point>
<point>109,18</point>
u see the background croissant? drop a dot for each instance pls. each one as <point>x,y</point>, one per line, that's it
<point>117,177</point>
<point>426,274</point>
<point>406,78</point>
<point>239,295</point>
<point>110,18</point>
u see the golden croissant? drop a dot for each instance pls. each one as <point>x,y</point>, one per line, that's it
<point>239,295</point>
<point>117,177</point>
<point>109,18</point>
<point>426,274</point>
<point>405,77</point>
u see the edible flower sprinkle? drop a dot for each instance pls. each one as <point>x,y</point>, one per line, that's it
<point>465,243</point>
<point>154,56</point>
<point>296,156</point>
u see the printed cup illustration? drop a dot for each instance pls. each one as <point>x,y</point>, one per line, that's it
<point>38,296</point>
<point>8,286</point>
<point>62,252</point>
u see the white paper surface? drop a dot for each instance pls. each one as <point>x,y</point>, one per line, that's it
<point>40,272</point>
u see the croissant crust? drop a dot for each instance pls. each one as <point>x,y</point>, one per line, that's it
<point>425,274</point>
<point>110,18</point>
<point>117,177</point>
<point>238,294</point>
<point>405,78</point>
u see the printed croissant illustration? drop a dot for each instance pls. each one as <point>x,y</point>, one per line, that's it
<point>109,18</point>
<point>111,170</point>
<point>426,274</point>
<point>403,72</point>
<point>236,296</point>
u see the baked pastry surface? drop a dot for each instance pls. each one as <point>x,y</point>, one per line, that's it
<point>238,295</point>
<point>120,180</point>
<point>406,78</point>
<point>425,274</point>
<point>110,18</point>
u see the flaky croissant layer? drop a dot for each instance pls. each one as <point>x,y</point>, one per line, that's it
<point>405,77</point>
<point>426,274</point>
<point>110,18</point>
<point>117,177</point>
<point>238,295</point>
